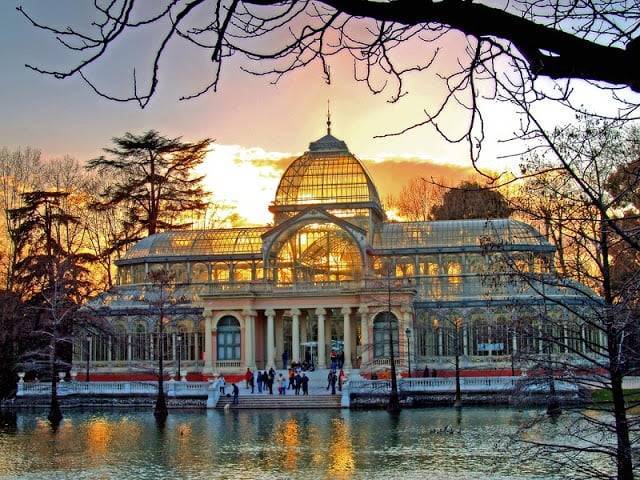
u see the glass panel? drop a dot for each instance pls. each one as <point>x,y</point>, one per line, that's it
<point>318,253</point>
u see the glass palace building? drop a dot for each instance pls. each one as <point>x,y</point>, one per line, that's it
<point>323,278</point>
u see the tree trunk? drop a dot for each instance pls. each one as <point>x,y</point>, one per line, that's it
<point>623,450</point>
<point>55,414</point>
<point>160,411</point>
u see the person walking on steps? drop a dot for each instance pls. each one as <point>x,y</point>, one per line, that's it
<point>236,392</point>
<point>334,378</point>
<point>329,378</point>
<point>305,384</point>
<point>341,378</point>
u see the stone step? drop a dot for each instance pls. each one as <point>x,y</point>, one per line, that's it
<point>283,402</point>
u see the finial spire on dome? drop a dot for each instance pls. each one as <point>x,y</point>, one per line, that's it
<point>328,117</point>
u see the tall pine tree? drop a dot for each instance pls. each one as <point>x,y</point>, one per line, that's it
<point>154,182</point>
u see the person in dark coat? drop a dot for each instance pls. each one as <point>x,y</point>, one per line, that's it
<point>259,381</point>
<point>329,377</point>
<point>297,383</point>
<point>236,392</point>
<point>270,379</point>
<point>305,384</point>
<point>333,380</point>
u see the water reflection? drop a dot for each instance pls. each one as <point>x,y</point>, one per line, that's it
<point>431,444</point>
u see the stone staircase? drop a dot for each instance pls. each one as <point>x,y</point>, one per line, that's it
<point>285,402</point>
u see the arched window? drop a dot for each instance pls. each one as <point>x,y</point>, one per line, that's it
<point>140,342</point>
<point>228,338</point>
<point>199,273</point>
<point>242,272</point>
<point>381,335</point>
<point>179,272</point>
<point>219,272</point>
<point>318,253</point>
<point>119,343</point>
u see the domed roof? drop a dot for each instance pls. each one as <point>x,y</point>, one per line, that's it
<point>326,174</point>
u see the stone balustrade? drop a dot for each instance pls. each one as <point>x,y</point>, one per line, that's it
<point>115,389</point>
<point>467,384</point>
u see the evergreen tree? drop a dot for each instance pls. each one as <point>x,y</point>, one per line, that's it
<point>154,181</point>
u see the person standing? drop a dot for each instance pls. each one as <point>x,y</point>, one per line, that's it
<point>247,377</point>
<point>292,384</point>
<point>285,359</point>
<point>223,385</point>
<point>333,380</point>
<point>270,379</point>
<point>341,378</point>
<point>305,384</point>
<point>252,382</point>
<point>259,381</point>
<point>297,383</point>
<point>236,392</point>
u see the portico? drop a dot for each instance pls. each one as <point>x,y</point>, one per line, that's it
<point>308,330</point>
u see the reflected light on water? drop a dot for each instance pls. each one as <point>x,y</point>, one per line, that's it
<point>99,434</point>
<point>287,437</point>
<point>341,453</point>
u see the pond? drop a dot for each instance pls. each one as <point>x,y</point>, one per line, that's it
<point>434,444</point>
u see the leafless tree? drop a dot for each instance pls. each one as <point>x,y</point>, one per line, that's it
<point>476,51</point>
<point>583,332</point>
<point>417,198</point>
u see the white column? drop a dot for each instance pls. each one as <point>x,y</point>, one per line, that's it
<point>109,348</point>
<point>271,314</point>
<point>250,340</point>
<point>465,340</point>
<point>364,334</point>
<point>346,313</point>
<point>208,348</point>
<point>196,346</point>
<point>129,352</point>
<point>322,362</point>
<point>295,335</point>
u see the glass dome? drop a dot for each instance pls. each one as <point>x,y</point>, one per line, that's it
<point>326,174</point>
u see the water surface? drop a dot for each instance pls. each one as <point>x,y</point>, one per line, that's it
<point>431,444</point>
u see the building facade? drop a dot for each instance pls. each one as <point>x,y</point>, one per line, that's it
<point>331,277</point>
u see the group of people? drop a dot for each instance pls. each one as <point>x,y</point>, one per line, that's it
<point>334,378</point>
<point>267,379</point>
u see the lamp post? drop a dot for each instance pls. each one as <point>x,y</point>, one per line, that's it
<point>408,334</point>
<point>88,356</point>
<point>179,340</point>
<point>394,400</point>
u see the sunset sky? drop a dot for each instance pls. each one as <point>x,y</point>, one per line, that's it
<point>255,124</point>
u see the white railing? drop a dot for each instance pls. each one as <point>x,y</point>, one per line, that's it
<point>467,384</point>
<point>227,363</point>
<point>115,389</point>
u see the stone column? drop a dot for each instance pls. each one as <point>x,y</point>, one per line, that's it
<point>295,335</point>
<point>250,339</point>
<point>346,314</point>
<point>271,314</point>
<point>109,349</point>
<point>196,346</point>
<point>129,349</point>
<point>364,334</point>
<point>322,362</point>
<point>465,340</point>
<point>208,347</point>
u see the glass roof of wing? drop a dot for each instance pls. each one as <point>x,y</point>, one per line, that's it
<point>228,241</point>
<point>455,233</point>
<point>327,173</point>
